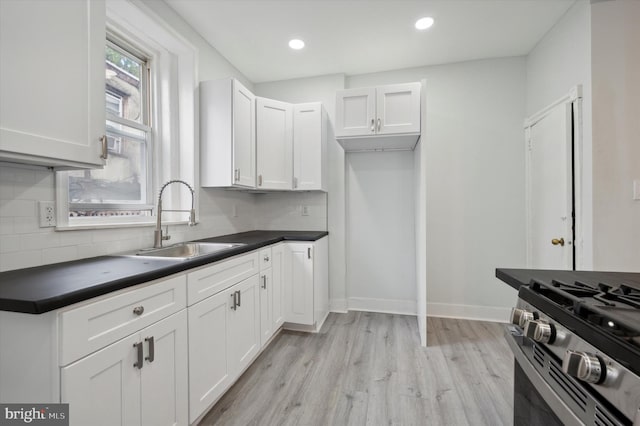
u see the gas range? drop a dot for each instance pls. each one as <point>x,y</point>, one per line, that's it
<point>583,340</point>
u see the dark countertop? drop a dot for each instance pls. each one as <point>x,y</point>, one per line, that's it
<point>519,277</point>
<point>45,288</point>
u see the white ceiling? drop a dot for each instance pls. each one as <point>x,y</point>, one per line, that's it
<point>363,36</point>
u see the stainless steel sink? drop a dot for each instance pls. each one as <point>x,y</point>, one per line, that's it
<point>184,251</point>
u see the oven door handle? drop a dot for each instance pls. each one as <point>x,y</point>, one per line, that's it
<point>564,413</point>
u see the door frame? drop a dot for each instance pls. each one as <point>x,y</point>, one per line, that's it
<point>574,98</point>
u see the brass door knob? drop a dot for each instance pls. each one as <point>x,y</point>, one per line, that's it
<point>556,242</point>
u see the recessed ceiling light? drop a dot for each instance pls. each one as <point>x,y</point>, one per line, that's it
<point>424,23</point>
<point>296,44</point>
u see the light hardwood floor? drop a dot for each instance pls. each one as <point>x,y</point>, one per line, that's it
<point>368,369</point>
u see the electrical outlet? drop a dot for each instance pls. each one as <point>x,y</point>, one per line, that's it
<point>305,210</point>
<point>47,214</point>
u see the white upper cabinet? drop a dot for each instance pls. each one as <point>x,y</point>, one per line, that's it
<point>275,144</point>
<point>356,112</point>
<point>52,80</point>
<point>384,117</point>
<point>227,134</point>
<point>309,147</point>
<point>398,109</point>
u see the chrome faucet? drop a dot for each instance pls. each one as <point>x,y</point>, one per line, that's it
<point>157,234</point>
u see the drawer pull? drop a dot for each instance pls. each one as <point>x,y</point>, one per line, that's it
<point>234,296</point>
<point>151,356</point>
<point>266,258</point>
<point>138,310</point>
<point>138,363</point>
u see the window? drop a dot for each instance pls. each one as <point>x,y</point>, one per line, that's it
<point>122,187</point>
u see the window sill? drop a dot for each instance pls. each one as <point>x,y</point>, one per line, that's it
<point>91,226</point>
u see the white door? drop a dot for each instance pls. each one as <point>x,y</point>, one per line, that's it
<point>277,270</point>
<point>46,112</point>
<point>164,382</point>
<point>209,364</point>
<point>103,389</point>
<point>275,144</point>
<point>307,147</point>
<point>266,304</point>
<point>549,190</point>
<point>298,278</point>
<point>244,325</point>
<point>355,112</point>
<point>244,136</point>
<point>398,108</point>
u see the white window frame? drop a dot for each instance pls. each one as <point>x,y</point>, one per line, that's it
<point>173,82</point>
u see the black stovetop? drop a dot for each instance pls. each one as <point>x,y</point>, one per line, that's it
<point>602,308</point>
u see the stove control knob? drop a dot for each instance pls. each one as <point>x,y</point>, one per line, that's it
<point>540,331</point>
<point>585,366</point>
<point>520,316</point>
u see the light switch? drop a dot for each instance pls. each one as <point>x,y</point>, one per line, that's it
<point>636,189</point>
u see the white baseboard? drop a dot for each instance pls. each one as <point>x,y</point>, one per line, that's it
<point>470,312</point>
<point>387,306</point>
<point>338,306</point>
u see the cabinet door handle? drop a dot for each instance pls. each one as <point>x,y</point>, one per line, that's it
<point>373,125</point>
<point>266,258</point>
<point>138,310</point>
<point>308,252</point>
<point>295,182</point>
<point>105,147</point>
<point>379,123</point>
<point>259,180</point>
<point>235,175</point>
<point>235,300</point>
<point>138,364</point>
<point>151,356</point>
<point>239,297</point>
<point>264,282</point>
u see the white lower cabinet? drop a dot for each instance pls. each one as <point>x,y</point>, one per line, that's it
<point>139,380</point>
<point>306,283</point>
<point>266,306</point>
<point>271,316</point>
<point>224,337</point>
<point>162,353</point>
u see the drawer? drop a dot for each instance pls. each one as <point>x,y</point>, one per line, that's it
<point>213,279</point>
<point>95,325</point>
<point>265,258</point>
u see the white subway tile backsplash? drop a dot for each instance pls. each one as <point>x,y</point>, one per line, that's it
<point>59,254</point>
<point>27,225</point>
<point>10,243</point>
<point>24,244</point>
<point>20,259</point>
<point>44,240</point>
<point>6,225</point>
<point>17,207</point>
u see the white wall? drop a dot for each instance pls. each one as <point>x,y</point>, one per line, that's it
<point>560,61</point>
<point>615,61</point>
<point>475,181</point>
<point>24,244</point>
<point>322,89</point>
<point>380,238</point>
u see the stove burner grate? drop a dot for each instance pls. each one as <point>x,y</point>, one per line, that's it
<point>615,311</point>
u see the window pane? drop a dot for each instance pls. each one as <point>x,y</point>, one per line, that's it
<point>124,178</point>
<point>124,85</point>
